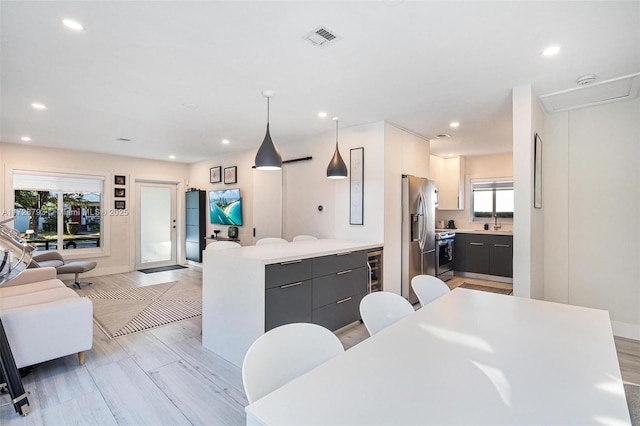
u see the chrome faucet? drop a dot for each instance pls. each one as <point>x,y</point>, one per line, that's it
<point>496,225</point>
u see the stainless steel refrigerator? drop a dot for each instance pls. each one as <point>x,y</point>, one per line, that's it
<point>419,202</point>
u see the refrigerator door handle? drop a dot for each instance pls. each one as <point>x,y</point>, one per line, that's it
<point>421,221</point>
<point>436,195</point>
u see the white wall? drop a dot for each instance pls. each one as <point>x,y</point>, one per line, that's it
<point>121,256</point>
<point>528,223</point>
<point>306,186</point>
<point>592,254</point>
<point>198,177</point>
<point>477,167</point>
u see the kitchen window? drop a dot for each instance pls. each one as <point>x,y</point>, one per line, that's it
<point>491,199</point>
<point>59,211</point>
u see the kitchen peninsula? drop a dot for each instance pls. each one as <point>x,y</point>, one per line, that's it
<point>248,290</point>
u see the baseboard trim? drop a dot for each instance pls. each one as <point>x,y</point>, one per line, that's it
<point>625,329</point>
<point>506,280</point>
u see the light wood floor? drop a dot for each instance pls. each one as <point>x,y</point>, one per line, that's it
<point>165,376</point>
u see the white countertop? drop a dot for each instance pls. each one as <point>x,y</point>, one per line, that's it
<point>469,357</point>
<point>478,231</point>
<point>274,253</point>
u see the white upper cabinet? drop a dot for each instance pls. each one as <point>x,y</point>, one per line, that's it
<point>448,173</point>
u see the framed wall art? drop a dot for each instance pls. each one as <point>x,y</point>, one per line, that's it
<point>215,174</point>
<point>120,180</point>
<point>120,205</point>
<point>356,187</point>
<point>119,192</point>
<point>230,175</point>
<point>537,173</point>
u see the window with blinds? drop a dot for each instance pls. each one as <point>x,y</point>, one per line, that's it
<point>59,211</point>
<point>490,199</point>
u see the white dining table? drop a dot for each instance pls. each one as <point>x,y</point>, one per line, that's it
<point>469,357</point>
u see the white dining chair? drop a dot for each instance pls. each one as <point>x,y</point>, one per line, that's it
<point>221,245</point>
<point>284,353</point>
<point>304,238</point>
<point>428,288</point>
<point>381,309</point>
<point>270,240</point>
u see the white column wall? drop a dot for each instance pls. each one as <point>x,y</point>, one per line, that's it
<point>528,223</point>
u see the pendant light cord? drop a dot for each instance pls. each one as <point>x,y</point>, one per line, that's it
<point>336,132</point>
<point>268,99</point>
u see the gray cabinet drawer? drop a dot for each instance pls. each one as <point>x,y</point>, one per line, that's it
<point>337,286</point>
<point>340,313</point>
<point>287,272</point>
<point>287,304</point>
<point>326,265</point>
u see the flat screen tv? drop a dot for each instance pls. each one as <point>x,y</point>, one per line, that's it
<point>225,207</point>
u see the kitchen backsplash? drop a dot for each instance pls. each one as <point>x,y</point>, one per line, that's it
<point>461,219</point>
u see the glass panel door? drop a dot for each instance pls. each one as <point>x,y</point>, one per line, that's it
<point>156,225</point>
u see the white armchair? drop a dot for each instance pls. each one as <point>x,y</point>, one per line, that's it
<point>43,319</point>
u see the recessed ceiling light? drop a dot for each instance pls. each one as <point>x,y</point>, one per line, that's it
<point>322,114</point>
<point>551,50</point>
<point>189,105</point>
<point>172,157</point>
<point>39,106</point>
<point>225,141</point>
<point>454,124</point>
<point>450,155</point>
<point>25,139</point>
<point>123,140</point>
<point>443,135</point>
<point>73,25</point>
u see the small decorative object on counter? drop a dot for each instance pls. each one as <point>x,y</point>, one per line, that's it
<point>232,232</point>
<point>486,226</point>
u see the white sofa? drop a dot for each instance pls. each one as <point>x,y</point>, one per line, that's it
<point>43,319</point>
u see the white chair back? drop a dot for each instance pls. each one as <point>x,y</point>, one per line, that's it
<point>221,245</point>
<point>270,240</point>
<point>284,353</point>
<point>304,238</point>
<point>428,288</point>
<point>381,309</point>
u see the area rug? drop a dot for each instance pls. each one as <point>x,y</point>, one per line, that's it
<point>161,269</point>
<point>486,288</point>
<point>123,312</point>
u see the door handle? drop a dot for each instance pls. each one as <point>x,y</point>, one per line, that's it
<point>502,245</point>
<point>476,244</point>
<point>343,272</point>
<point>291,285</point>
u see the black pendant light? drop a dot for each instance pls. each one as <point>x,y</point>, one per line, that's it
<point>337,169</point>
<point>268,156</point>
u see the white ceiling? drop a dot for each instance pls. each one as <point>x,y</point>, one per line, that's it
<point>419,65</point>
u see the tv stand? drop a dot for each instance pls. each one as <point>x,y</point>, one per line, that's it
<point>235,240</point>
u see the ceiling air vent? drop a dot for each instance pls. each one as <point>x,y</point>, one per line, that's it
<point>322,36</point>
<point>617,89</point>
